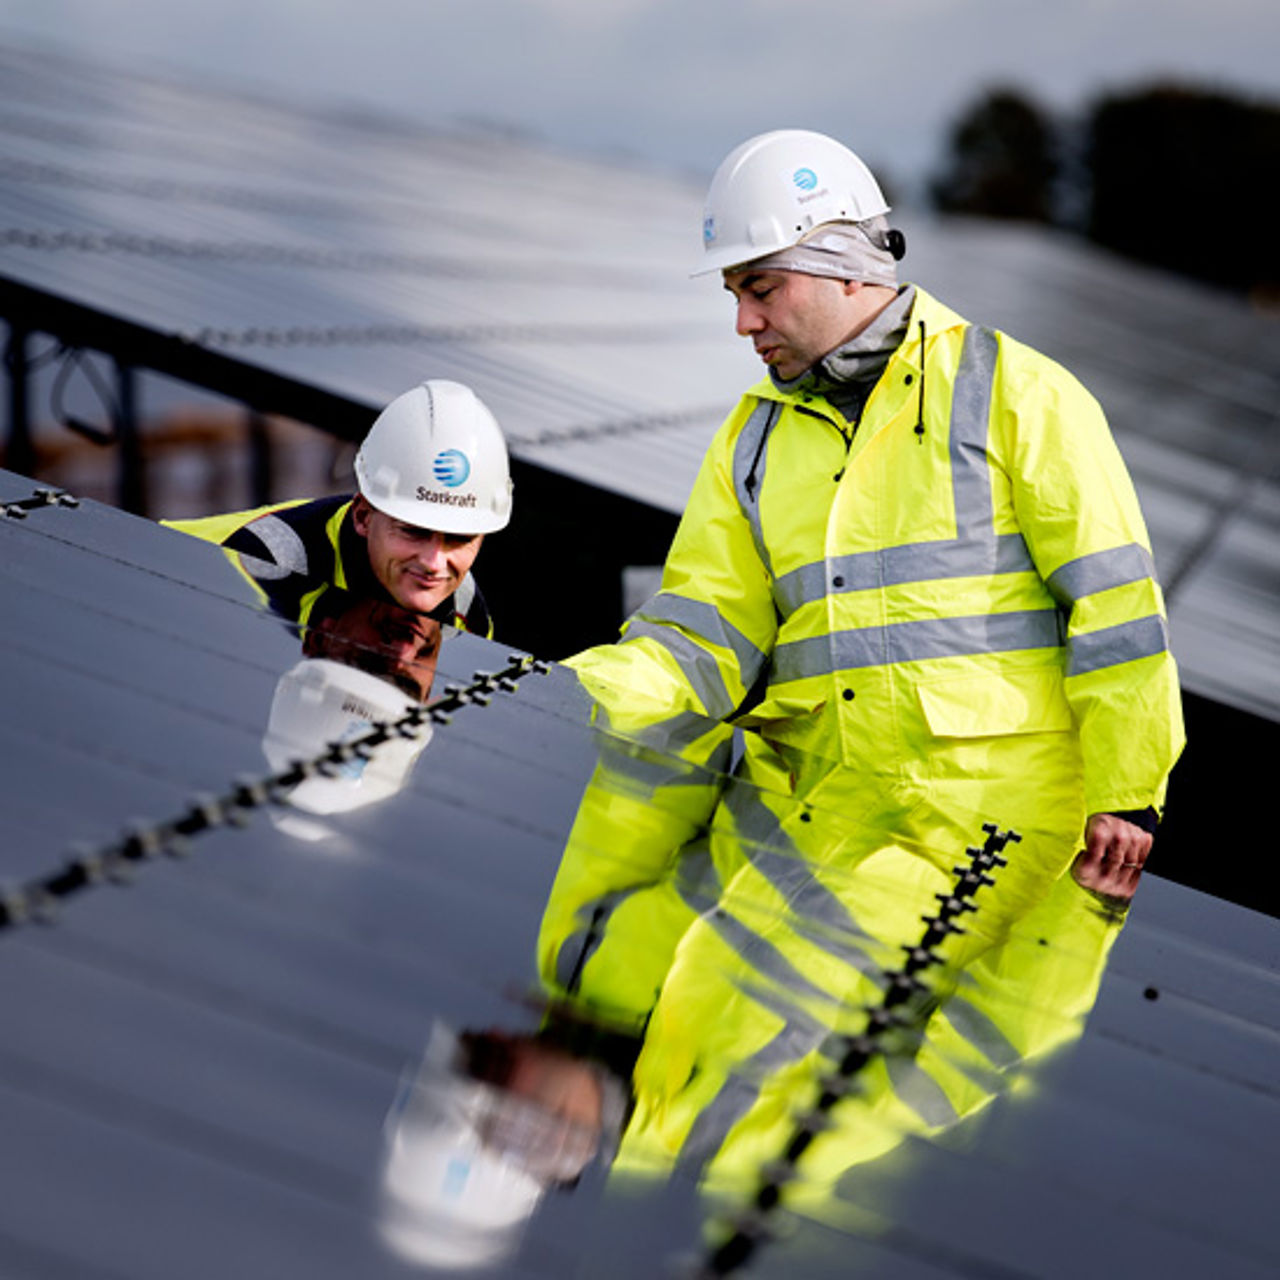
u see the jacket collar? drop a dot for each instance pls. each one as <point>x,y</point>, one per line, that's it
<point>936,316</point>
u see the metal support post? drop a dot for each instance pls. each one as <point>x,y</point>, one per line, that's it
<point>261,462</point>
<point>131,473</point>
<point>19,453</point>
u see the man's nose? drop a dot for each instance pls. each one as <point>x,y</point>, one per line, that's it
<point>749,319</point>
<point>431,552</point>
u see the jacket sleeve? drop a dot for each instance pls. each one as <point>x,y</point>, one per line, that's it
<point>1078,511</point>
<point>701,643</point>
<point>220,528</point>
<point>632,878</point>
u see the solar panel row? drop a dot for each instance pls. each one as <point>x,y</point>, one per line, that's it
<point>199,1065</point>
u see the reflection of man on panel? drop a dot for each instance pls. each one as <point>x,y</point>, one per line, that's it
<point>434,479</point>
<point>383,639</point>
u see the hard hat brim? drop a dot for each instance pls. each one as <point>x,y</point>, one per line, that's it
<point>440,515</point>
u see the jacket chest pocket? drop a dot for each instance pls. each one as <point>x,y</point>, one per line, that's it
<point>995,704</point>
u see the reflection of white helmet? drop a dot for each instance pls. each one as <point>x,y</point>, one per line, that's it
<point>320,702</point>
<point>775,188</point>
<point>435,458</point>
<point>446,1199</point>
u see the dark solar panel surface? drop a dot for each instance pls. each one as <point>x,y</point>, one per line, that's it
<point>197,1065</point>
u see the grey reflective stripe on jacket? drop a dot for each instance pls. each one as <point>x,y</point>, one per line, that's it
<point>750,457</point>
<point>581,945</point>
<point>667,753</point>
<point>819,913</point>
<point>739,1092</point>
<point>894,566</point>
<point>648,769</point>
<point>1111,646</point>
<point>1101,571</point>
<point>917,1089</point>
<point>977,1027</point>
<point>288,551</point>
<point>976,550</point>
<point>697,666</point>
<point>708,624</point>
<point>917,641</point>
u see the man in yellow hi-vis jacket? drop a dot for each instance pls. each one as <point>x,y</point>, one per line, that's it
<point>914,570</point>
<point>433,478</point>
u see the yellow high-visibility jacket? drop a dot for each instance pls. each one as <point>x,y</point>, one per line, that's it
<point>948,613</point>
<point>743,1040</point>
<point>960,589</point>
<point>295,553</point>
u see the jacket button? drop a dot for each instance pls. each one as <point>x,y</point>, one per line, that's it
<point>848,695</point>
<point>837,581</point>
<point>804,817</point>
<point>908,380</point>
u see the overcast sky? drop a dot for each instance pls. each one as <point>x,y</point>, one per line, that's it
<point>677,82</point>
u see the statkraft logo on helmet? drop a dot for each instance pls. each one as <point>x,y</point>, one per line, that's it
<point>445,499</point>
<point>451,467</point>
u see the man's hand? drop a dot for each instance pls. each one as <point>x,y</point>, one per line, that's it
<point>1113,856</point>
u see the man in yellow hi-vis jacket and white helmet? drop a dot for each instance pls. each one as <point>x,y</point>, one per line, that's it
<point>434,478</point>
<point>914,570</point>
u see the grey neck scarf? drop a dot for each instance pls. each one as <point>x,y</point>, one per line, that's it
<point>840,251</point>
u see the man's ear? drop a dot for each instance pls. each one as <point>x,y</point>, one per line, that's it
<point>360,511</point>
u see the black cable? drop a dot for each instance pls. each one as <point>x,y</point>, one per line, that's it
<point>74,358</point>
<point>924,356</point>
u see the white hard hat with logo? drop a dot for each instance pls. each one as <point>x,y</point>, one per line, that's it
<point>771,191</point>
<point>320,702</point>
<point>435,458</point>
<point>448,1198</point>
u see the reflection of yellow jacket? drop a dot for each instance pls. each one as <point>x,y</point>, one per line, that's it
<point>737,1050</point>
<point>740,953</point>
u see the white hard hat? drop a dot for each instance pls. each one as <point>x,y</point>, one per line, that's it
<point>448,1199</point>
<point>435,458</point>
<point>775,188</point>
<point>320,702</point>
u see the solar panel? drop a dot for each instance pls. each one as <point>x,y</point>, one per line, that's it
<point>207,1043</point>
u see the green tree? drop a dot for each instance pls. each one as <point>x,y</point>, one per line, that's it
<point>1183,177</point>
<point>1002,160</point>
